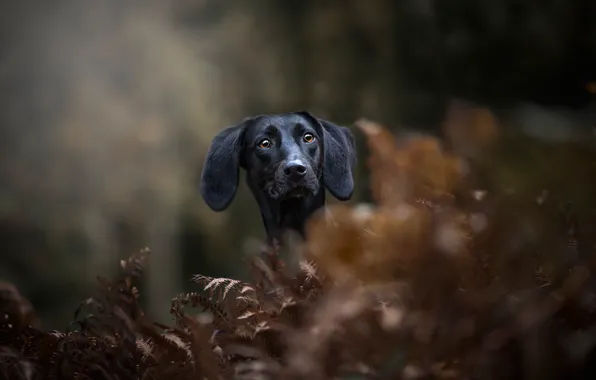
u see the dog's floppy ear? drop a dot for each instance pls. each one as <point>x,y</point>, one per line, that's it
<point>339,157</point>
<point>219,180</point>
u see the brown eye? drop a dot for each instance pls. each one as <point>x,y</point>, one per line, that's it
<point>265,144</point>
<point>308,138</point>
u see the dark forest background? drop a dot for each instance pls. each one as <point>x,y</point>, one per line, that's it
<point>108,109</point>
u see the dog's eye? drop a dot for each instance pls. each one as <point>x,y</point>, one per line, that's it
<point>265,144</point>
<point>308,138</point>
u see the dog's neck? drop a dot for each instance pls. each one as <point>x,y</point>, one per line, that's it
<point>290,214</point>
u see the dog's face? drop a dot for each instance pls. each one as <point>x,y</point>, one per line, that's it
<point>286,156</point>
<point>283,156</point>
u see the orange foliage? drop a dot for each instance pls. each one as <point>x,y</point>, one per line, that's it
<point>438,280</point>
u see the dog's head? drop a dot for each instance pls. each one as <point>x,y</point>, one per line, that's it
<point>286,156</point>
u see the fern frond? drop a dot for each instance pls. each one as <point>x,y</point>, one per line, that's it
<point>243,300</point>
<point>310,270</point>
<point>220,317</point>
<point>176,341</point>
<point>144,345</point>
<point>215,283</point>
<point>246,315</point>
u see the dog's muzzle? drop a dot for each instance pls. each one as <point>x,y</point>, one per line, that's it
<point>294,179</point>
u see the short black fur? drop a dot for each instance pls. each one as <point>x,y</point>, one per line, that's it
<point>289,158</point>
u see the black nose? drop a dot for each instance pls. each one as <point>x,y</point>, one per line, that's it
<point>295,170</point>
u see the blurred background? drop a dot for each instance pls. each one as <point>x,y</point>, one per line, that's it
<point>108,109</point>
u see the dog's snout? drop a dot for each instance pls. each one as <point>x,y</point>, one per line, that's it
<point>295,169</point>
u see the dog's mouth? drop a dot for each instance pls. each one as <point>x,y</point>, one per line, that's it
<point>297,192</point>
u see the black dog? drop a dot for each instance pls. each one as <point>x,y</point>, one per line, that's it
<point>289,158</point>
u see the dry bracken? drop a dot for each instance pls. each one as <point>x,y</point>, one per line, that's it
<point>453,274</point>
